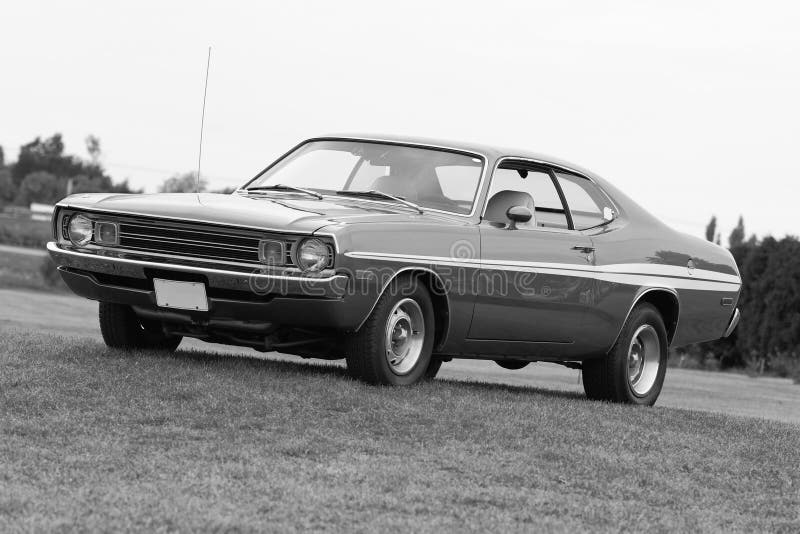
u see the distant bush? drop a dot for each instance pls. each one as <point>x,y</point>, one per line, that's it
<point>694,358</point>
<point>40,187</point>
<point>25,232</point>
<point>183,183</point>
<point>784,365</point>
<point>8,189</point>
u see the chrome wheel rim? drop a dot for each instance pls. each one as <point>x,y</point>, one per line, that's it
<point>405,334</point>
<point>644,359</point>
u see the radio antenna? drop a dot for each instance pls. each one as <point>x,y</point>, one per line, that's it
<point>202,123</point>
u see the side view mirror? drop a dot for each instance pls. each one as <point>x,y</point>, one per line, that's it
<point>518,214</point>
<point>609,214</point>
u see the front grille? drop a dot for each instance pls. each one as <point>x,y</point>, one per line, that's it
<point>212,243</point>
<point>193,242</point>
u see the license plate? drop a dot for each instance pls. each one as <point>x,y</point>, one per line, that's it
<point>181,295</point>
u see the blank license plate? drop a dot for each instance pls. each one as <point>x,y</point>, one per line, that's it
<point>181,295</point>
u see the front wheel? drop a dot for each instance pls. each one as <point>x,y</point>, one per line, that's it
<point>394,345</point>
<point>122,329</point>
<point>633,371</point>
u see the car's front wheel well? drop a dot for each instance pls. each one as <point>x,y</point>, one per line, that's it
<point>441,304</point>
<point>666,302</point>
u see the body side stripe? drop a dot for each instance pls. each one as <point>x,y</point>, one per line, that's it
<point>647,275</point>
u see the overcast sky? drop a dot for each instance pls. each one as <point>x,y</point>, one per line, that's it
<point>693,108</point>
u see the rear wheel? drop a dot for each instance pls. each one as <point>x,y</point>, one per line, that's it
<point>122,329</point>
<point>394,345</point>
<point>433,367</point>
<point>633,371</point>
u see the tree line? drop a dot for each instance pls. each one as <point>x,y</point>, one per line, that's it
<point>768,336</point>
<point>44,172</point>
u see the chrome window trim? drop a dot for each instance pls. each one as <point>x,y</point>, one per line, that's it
<point>554,166</point>
<point>478,189</point>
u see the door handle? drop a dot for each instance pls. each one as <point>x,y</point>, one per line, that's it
<point>583,249</point>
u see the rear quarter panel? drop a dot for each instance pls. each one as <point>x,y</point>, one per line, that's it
<point>634,257</point>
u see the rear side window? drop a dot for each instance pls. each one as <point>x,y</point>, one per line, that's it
<point>584,199</point>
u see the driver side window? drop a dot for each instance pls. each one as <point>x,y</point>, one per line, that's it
<point>536,184</point>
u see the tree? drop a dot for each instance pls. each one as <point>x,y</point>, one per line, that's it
<point>47,156</point>
<point>8,189</point>
<point>93,148</point>
<point>40,187</point>
<point>183,183</point>
<point>711,229</point>
<point>123,187</point>
<point>737,234</point>
<point>2,158</point>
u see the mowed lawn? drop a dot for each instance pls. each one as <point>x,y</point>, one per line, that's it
<point>94,439</point>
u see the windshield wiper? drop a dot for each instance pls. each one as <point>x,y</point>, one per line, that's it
<point>283,187</point>
<point>381,194</point>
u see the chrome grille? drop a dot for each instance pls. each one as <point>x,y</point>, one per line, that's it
<point>196,242</point>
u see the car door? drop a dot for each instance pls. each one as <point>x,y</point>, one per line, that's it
<point>535,280</point>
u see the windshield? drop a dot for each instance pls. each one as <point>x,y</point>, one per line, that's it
<point>435,179</point>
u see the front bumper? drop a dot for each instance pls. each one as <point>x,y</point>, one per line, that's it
<point>235,297</point>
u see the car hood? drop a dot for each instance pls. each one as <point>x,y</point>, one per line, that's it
<point>274,212</point>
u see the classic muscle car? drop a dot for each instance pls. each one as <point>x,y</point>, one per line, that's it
<point>399,254</point>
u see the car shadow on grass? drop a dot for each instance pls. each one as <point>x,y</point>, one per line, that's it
<point>332,368</point>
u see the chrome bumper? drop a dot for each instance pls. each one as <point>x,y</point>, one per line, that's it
<point>331,286</point>
<point>732,325</point>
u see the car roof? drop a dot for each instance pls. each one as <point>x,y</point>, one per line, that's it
<point>490,151</point>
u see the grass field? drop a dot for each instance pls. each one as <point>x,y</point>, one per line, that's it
<point>96,440</point>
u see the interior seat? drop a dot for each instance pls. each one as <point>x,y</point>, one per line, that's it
<point>395,185</point>
<point>498,205</point>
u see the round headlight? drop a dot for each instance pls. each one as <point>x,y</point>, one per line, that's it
<point>80,230</point>
<point>312,255</point>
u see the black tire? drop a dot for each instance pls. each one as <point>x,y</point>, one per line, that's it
<point>608,378</point>
<point>366,353</point>
<point>433,367</point>
<point>122,329</point>
<point>512,365</point>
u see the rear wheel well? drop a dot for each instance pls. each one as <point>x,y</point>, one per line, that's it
<point>441,305</point>
<point>666,302</point>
